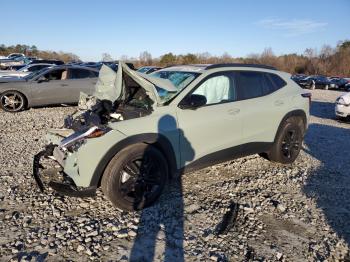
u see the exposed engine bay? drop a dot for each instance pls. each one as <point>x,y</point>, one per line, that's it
<point>96,112</point>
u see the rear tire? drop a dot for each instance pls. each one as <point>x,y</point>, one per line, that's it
<point>288,142</point>
<point>135,177</point>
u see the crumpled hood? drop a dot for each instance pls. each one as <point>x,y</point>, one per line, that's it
<point>110,85</point>
<point>346,98</point>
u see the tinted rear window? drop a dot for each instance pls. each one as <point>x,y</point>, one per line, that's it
<point>251,84</point>
<point>277,81</point>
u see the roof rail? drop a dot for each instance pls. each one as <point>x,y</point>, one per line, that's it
<point>240,65</point>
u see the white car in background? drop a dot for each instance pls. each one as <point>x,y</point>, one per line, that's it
<point>342,106</point>
<point>26,70</point>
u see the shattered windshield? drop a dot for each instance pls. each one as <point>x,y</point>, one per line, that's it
<point>179,79</point>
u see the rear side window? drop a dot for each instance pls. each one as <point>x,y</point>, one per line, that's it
<point>253,84</point>
<point>81,73</point>
<point>277,81</point>
<point>33,68</point>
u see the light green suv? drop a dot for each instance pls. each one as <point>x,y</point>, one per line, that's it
<point>137,131</point>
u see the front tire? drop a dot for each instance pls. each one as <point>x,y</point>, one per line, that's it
<point>12,101</point>
<point>135,177</point>
<point>288,143</point>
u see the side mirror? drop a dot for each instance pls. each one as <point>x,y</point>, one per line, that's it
<point>193,101</point>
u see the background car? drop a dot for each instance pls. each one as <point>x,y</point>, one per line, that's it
<point>342,106</point>
<point>298,77</point>
<point>23,71</point>
<point>12,56</point>
<point>49,86</point>
<point>338,83</point>
<point>316,81</point>
<point>6,63</point>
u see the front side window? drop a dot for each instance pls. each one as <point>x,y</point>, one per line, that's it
<point>35,68</point>
<point>60,74</point>
<point>217,89</point>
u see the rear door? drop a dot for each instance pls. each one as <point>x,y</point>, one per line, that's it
<point>79,80</point>
<point>263,105</point>
<point>209,133</point>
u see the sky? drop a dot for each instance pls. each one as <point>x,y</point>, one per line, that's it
<point>90,28</point>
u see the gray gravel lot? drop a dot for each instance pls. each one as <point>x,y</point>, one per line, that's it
<point>287,213</point>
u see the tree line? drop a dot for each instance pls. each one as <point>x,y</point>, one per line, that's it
<point>329,61</point>
<point>33,51</point>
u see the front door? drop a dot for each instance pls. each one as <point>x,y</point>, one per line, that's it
<point>214,130</point>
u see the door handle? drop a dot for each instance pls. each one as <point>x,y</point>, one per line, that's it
<point>233,111</point>
<point>279,102</point>
<point>64,85</point>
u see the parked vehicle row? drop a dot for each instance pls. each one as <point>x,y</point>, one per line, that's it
<point>322,82</point>
<point>22,71</point>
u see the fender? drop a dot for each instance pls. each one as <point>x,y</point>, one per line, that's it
<point>299,113</point>
<point>158,140</point>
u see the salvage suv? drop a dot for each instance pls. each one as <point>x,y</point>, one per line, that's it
<point>139,130</point>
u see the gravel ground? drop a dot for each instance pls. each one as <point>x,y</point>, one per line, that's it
<point>286,213</point>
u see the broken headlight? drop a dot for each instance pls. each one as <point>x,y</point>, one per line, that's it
<point>75,140</point>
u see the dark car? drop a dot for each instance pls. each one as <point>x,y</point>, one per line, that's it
<point>338,83</point>
<point>298,77</point>
<point>316,81</point>
<point>46,61</point>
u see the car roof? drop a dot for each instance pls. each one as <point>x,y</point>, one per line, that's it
<point>74,66</point>
<point>41,64</point>
<point>200,68</point>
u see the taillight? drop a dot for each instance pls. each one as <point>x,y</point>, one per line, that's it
<point>307,95</point>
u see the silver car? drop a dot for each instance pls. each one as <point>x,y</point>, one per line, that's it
<point>49,86</point>
<point>23,71</point>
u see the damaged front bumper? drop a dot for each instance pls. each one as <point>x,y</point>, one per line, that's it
<point>67,187</point>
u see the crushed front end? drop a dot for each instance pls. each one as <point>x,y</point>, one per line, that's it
<point>64,152</point>
<point>81,145</point>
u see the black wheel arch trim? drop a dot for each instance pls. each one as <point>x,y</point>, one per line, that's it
<point>158,140</point>
<point>297,113</point>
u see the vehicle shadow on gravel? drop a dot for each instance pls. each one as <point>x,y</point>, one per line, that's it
<point>161,226</point>
<point>330,183</point>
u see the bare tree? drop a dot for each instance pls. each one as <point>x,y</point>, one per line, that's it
<point>145,58</point>
<point>106,57</point>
